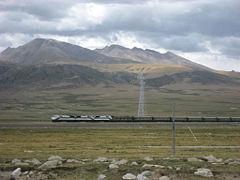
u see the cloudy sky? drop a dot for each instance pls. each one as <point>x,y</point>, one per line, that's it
<point>204,31</point>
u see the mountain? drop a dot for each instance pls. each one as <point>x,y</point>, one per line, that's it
<point>40,51</point>
<point>147,56</point>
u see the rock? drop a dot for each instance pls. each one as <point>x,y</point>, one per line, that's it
<point>149,166</point>
<point>101,159</point>
<point>203,172</point>
<point>134,163</point>
<point>49,164</point>
<point>28,151</point>
<point>164,178</point>
<point>36,161</point>
<point>211,159</point>
<point>141,177</point>
<point>228,160</point>
<point>102,177</point>
<point>147,173</point>
<point>194,160</point>
<point>236,162</point>
<point>55,158</point>
<point>129,176</point>
<point>72,161</point>
<point>178,169</point>
<point>21,164</point>
<point>25,173</point>
<point>169,167</point>
<point>148,158</point>
<point>15,161</point>
<point>113,166</point>
<point>16,173</point>
<point>121,162</point>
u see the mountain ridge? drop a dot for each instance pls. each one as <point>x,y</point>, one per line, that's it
<point>40,51</point>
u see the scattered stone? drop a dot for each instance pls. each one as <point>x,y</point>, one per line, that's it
<point>203,172</point>
<point>21,164</point>
<point>147,173</point>
<point>101,159</point>
<point>228,160</point>
<point>149,166</point>
<point>148,158</point>
<point>169,167</point>
<point>16,173</point>
<point>50,164</point>
<point>129,176</point>
<point>113,166</point>
<point>134,163</point>
<point>28,151</point>
<point>55,158</point>
<point>236,162</point>
<point>121,162</point>
<point>73,161</point>
<point>178,169</point>
<point>36,161</point>
<point>102,177</point>
<point>15,161</point>
<point>164,178</point>
<point>25,173</point>
<point>141,177</point>
<point>211,159</point>
<point>194,160</point>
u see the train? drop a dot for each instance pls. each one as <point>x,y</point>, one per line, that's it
<point>73,118</point>
<point>109,118</point>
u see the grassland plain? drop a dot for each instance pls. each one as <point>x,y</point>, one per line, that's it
<point>132,144</point>
<point>191,100</point>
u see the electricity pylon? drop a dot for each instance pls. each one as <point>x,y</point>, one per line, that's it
<point>141,97</point>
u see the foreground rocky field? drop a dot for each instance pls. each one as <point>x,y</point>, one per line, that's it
<point>102,168</point>
<point>120,153</point>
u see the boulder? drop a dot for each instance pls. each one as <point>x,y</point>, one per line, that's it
<point>102,177</point>
<point>236,162</point>
<point>194,160</point>
<point>36,161</point>
<point>21,164</point>
<point>203,172</point>
<point>16,173</point>
<point>15,161</point>
<point>55,158</point>
<point>164,178</point>
<point>134,163</point>
<point>49,164</point>
<point>147,173</point>
<point>129,176</point>
<point>141,177</point>
<point>73,161</point>
<point>211,159</point>
<point>149,166</point>
<point>101,159</point>
<point>121,162</point>
<point>113,166</point>
<point>148,158</point>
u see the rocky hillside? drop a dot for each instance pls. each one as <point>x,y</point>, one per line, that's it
<point>40,51</point>
<point>147,56</point>
<point>61,76</point>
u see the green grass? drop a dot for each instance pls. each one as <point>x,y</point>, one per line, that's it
<point>115,142</point>
<point>119,143</point>
<point>191,100</point>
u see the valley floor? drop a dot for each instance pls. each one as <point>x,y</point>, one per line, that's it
<point>95,149</point>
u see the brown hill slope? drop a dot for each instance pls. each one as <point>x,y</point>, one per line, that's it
<point>40,51</point>
<point>147,56</point>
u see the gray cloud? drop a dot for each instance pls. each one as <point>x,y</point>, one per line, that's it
<point>174,25</point>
